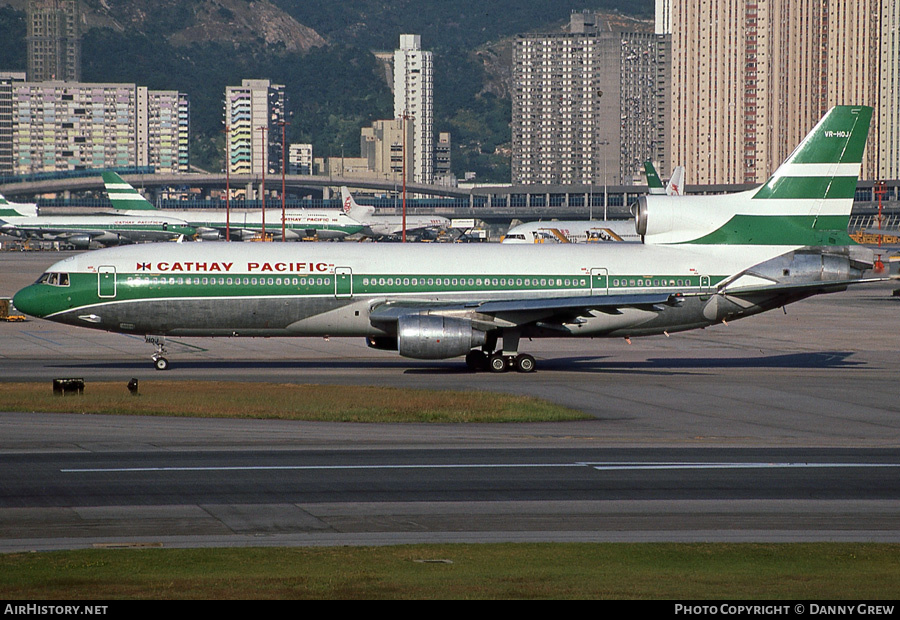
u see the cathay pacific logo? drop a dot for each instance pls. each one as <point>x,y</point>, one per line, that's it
<point>195,267</point>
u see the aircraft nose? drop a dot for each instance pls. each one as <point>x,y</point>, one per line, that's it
<point>28,301</point>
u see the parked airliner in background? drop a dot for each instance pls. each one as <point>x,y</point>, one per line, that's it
<point>85,231</point>
<point>593,231</point>
<point>243,224</point>
<point>572,231</point>
<point>378,226</point>
<point>16,209</point>
<point>703,260</point>
<point>675,186</point>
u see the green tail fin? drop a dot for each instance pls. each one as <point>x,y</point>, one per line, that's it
<point>12,209</point>
<point>806,202</point>
<point>123,196</point>
<point>653,181</point>
<point>826,164</point>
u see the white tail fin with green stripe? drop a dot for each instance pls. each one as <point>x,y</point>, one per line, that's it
<point>15,209</point>
<point>123,196</point>
<point>806,202</point>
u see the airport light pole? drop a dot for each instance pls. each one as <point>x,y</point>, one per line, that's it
<point>227,183</point>
<point>262,186</point>
<point>283,234</point>
<point>405,117</point>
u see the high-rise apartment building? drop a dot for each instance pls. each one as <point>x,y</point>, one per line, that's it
<point>164,122</point>
<point>254,112</point>
<point>414,101</point>
<point>889,93</point>
<point>663,17</point>
<point>75,126</point>
<point>589,106</point>
<point>53,40</point>
<point>751,77</point>
<point>7,114</point>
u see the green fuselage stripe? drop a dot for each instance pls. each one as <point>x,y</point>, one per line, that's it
<point>112,227</point>
<point>84,289</point>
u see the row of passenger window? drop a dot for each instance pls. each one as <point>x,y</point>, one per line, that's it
<point>245,281</point>
<point>475,282</point>
<point>650,282</point>
<point>62,279</point>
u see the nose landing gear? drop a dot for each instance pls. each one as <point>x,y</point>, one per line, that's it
<point>159,358</point>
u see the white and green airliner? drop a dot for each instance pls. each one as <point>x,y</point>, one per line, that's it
<point>239,224</point>
<point>703,260</point>
<point>86,231</point>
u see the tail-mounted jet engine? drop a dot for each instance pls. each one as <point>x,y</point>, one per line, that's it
<point>666,217</point>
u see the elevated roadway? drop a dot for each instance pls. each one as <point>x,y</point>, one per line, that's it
<point>486,202</point>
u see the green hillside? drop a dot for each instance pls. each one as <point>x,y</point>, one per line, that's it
<point>335,84</point>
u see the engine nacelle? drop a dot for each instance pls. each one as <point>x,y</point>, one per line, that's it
<point>677,219</point>
<point>810,265</point>
<point>80,242</point>
<point>663,213</point>
<point>434,337</point>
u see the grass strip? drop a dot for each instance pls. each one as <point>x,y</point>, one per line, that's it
<point>813,571</point>
<point>326,403</point>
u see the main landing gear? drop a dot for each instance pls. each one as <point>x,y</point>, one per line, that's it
<point>477,359</point>
<point>500,361</point>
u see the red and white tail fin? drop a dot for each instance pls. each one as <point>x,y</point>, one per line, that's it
<point>675,186</point>
<point>353,209</point>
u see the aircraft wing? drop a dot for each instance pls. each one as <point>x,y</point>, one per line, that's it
<point>550,312</point>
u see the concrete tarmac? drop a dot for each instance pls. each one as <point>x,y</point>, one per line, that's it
<point>822,375</point>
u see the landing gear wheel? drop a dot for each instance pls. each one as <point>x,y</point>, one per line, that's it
<point>525,363</point>
<point>161,363</point>
<point>476,360</point>
<point>498,363</point>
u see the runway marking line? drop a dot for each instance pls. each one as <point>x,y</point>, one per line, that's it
<point>599,466</point>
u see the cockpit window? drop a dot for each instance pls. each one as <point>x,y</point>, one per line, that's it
<point>54,279</point>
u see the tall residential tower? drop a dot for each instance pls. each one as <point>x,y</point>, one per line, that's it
<point>751,77</point>
<point>589,105</point>
<point>414,102</point>
<point>254,112</point>
<point>53,41</point>
<point>76,126</point>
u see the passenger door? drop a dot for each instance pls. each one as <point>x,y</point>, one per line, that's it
<point>343,282</point>
<point>106,281</point>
